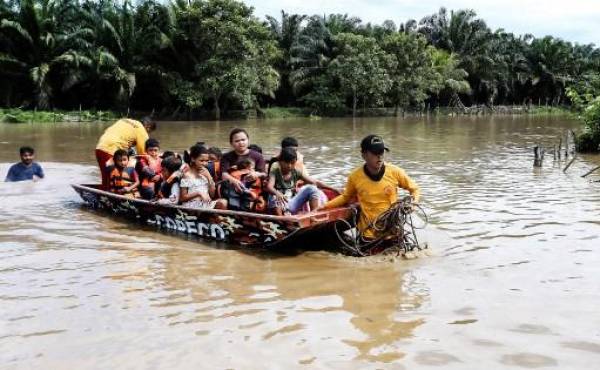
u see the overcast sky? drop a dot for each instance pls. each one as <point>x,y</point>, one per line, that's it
<point>572,20</point>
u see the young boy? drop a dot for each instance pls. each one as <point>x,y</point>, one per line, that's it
<point>290,142</point>
<point>169,188</point>
<point>148,167</point>
<point>27,169</point>
<point>123,180</point>
<point>214,154</point>
<point>282,185</point>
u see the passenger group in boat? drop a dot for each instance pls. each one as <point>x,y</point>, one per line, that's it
<point>241,179</point>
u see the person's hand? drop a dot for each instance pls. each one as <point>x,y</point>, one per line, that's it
<point>156,178</point>
<point>251,177</point>
<point>36,178</point>
<point>204,172</point>
<point>237,185</point>
<point>280,197</point>
<point>205,197</point>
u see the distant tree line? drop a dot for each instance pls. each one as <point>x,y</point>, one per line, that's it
<point>216,55</point>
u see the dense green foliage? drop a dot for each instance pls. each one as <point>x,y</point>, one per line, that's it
<point>190,55</point>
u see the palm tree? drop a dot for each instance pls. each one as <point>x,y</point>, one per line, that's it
<point>551,62</point>
<point>286,32</point>
<point>35,41</point>
<point>310,55</point>
<point>450,80</point>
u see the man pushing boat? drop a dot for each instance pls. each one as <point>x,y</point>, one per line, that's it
<point>123,134</point>
<point>375,186</point>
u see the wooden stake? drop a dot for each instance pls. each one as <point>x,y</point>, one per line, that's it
<point>569,164</point>
<point>591,171</point>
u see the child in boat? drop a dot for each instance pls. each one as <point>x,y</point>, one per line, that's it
<point>123,180</point>
<point>214,154</point>
<point>250,197</point>
<point>169,188</point>
<point>285,198</point>
<point>197,184</point>
<point>148,168</point>
<point>289,142</point>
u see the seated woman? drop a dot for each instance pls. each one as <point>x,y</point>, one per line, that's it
<point>285,198</point>
<point>238,138</point>
<point>122,180</point>
<point>197,185</point>
<point>148,168</point>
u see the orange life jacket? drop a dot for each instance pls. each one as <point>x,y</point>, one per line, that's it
<point>254,188</point>
<point>118,179</point>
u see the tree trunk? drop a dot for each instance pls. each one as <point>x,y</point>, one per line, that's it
<point>354,103</point>
<point>217,108</point>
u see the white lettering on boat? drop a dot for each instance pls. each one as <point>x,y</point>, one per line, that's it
<point>214,231</point>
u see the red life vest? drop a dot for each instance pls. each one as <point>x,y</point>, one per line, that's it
<point>146,161</point>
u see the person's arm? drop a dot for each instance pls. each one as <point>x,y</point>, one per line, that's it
<point>39,172</point>
<point>271,189</point>
<point>344,198</point>
<point>211,183</point>
<point>10,176</point>
<point>185,195</point>
<point>141,135</point>
<point>136,182</point>
<point>309,180</point>
<point>225,176</point>
<point>405,182</point>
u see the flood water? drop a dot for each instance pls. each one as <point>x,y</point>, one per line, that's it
<point>513,282</point>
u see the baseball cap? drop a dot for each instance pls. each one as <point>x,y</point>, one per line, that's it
<point>373,144</point>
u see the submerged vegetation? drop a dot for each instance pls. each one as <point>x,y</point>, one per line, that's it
<point>181,57</point>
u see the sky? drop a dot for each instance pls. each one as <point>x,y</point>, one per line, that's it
<point>572,20</point>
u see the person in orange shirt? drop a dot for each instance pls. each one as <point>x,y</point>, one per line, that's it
<point>123,134</point>
<point>374,185</point>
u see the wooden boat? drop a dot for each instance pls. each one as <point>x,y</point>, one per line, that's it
<point>308,231</point>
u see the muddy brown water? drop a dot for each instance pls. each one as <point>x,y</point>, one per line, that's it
<point>513,282</point>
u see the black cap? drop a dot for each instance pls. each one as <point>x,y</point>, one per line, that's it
<point>373,144</point>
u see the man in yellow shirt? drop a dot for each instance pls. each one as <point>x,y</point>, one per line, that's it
<point>374,185</point>
<point>123,134</point>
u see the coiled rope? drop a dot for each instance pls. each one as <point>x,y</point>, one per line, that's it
<point>395,231</point>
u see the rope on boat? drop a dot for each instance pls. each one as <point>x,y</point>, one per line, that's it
<point>394,228</point>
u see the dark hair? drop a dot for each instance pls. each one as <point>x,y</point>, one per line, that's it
<point>216,151</point>
<point>244,163</point>
<point>120,153</point>
<point>195,151</point>
<point>288,155</point>
<point>26,149</point>
<point>148,121</point>
<point>236,131</point>
<point>152,143</point>
<point>167,153</point>
<point>289,141</point>
<point>255,147</point>
<point>171,164</point>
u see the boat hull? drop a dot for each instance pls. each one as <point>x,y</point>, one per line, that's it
<point>233,227</point>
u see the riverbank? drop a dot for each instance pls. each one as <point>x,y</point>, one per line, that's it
<point>27,116</point>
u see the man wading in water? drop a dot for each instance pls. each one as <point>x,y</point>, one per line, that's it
<point>375,185</point>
